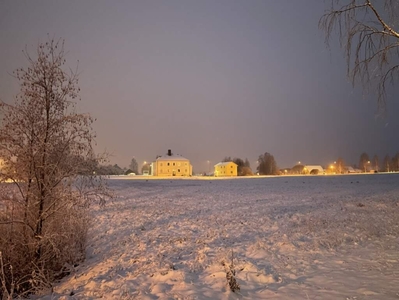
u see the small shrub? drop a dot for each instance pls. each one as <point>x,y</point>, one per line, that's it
<point>230,275</point>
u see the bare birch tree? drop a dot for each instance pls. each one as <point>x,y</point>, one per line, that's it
<point>368,32</point>
<point>48,160</point>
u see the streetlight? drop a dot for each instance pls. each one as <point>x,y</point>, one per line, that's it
<point>368,163</point>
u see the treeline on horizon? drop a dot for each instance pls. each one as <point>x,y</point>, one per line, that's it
<point>267,165</point>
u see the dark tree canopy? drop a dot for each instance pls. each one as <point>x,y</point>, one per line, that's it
<point>267,164</point>
<point>297,169</point>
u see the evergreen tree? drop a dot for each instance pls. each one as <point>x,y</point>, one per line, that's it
<point>134,166</point>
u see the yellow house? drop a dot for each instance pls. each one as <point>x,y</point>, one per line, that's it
<point>171,165</point>
<point>228,168</point>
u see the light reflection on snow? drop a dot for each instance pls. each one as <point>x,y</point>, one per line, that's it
<point>332,237</point>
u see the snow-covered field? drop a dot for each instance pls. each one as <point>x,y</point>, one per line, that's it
<point>311,237</point>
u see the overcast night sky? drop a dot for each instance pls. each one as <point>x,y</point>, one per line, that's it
<point>207,79</point>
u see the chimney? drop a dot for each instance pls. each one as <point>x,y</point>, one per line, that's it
<point>169,152</point>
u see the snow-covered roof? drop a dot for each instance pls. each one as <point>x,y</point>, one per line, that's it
<point>226,163</point>
<point>314,167</point>
<point>171,157</point>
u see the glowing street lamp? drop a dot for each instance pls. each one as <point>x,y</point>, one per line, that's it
<point>365,166</point>
<point>332,167</point>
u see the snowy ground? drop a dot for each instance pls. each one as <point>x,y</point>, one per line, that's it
<point>311,237</point>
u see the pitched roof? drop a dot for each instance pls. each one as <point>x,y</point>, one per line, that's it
<point>171,157</point>
<point>226,163</point>
<point>309,167</point>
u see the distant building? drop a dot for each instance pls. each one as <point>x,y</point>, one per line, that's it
<point>228,168</point>
<point>349,169</point>
<point>171,165</point>
<point>314,169</point>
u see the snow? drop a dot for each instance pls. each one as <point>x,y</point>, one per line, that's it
<point>171,157</point>
<point>304,237</point>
